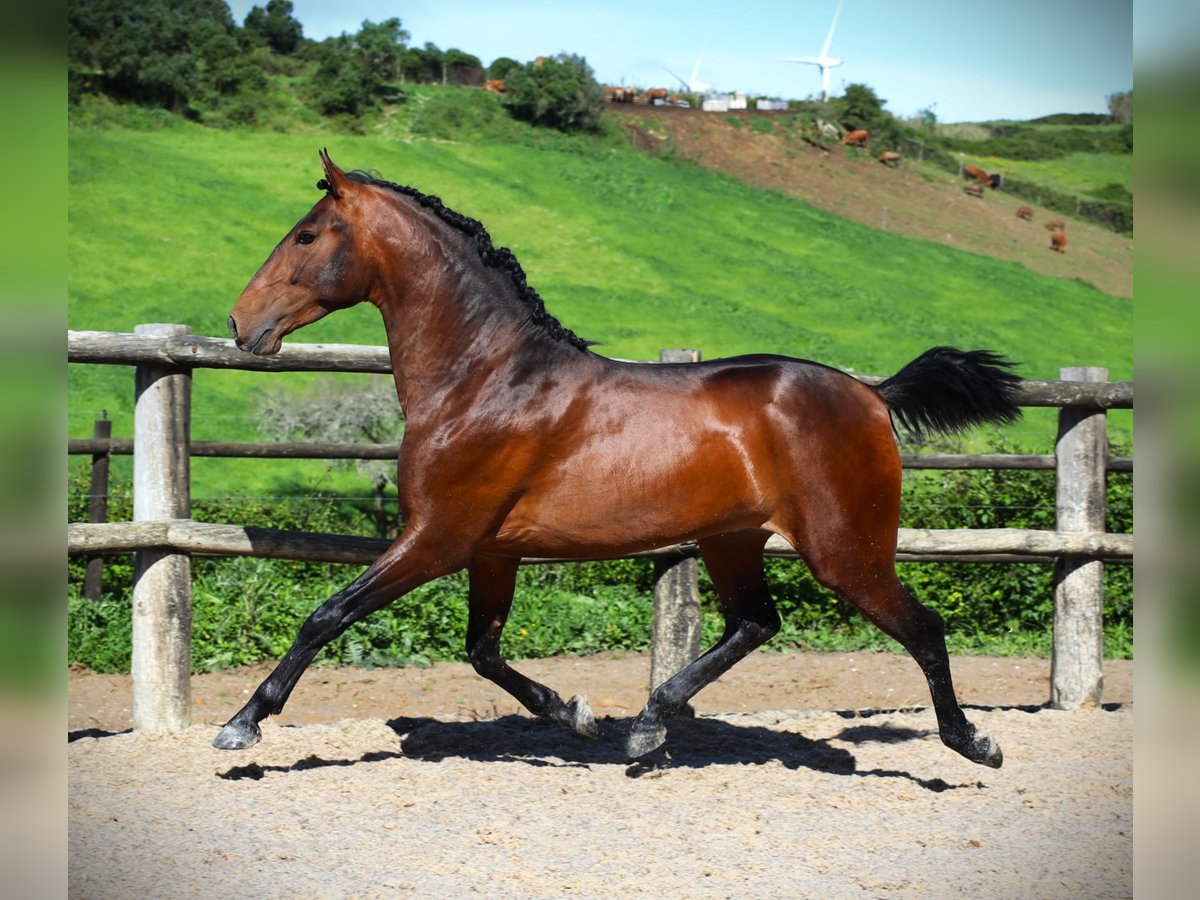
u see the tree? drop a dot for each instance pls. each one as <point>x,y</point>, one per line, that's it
<point>424,65</point>
<point>176,54</point>
<point>1120,107</point>
<point>338,86</point>
<point>501,67</point>
<point>140,50</point>
<point>381,46</point>
<point>352,72</point>
<point>275,26</point>
<point>558,91</point>
<point>461,67</point>
<point>927,119</point>
<point>859,107</point>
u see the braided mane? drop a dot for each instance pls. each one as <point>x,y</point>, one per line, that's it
<point>493,257</point>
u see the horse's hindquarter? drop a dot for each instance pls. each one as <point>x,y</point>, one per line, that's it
<point>662,454</point>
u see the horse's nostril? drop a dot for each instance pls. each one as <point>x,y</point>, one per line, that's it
<point>233,328</point>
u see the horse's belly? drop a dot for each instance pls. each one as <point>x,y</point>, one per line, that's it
<point>622,509</point>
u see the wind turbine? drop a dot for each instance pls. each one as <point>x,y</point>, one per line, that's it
<point>825,62</point>
<point>693,85</point>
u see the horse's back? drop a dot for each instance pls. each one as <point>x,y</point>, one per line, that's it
<point>742,387</point>
<point>663,453</point>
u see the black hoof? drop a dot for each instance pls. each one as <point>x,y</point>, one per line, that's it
<point>979,748</point>
<point>236,736</point>
<point>985,751</point>
<point>644,739</point>
<point>580,719</point>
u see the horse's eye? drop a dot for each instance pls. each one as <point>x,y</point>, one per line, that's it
<point>305,237</point>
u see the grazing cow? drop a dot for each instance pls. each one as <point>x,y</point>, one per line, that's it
<point>1025,212</point>
<point>977,174</point>
<point>655,94</point>
<point>992,181</point>
<point>496,86</point>
<point>858,138</point>
<point>1055,225</point>
<point>975,190</point>
<point>1058,242</point>
<point>889,158</point>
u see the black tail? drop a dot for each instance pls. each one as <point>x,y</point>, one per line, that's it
<point>947,390</point>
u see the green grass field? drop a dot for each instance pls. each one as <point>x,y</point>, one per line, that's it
<point>631,251</point>
<point>1078,173</point>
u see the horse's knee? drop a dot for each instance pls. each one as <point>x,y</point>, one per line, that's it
<point>768,624</point>
<point>484,656</point>
<point>761,626</point>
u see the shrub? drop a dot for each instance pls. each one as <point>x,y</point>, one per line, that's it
<point>560,92</point>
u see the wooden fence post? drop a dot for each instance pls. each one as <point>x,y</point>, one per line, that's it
<point>675,634</point>
<point>1076,677</point>
<point>162,583</point>
<point>675,637</point>
<point>93,579</point>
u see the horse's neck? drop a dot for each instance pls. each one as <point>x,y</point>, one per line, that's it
<point>452,322</point>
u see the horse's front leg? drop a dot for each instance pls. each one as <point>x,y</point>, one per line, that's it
<point>416,557</point>
<point>492,582</point>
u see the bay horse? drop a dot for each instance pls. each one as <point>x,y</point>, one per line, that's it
<point>521,442</point>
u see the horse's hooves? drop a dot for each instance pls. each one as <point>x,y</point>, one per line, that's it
<point>644,739</point>
<point>986,752</point>
<point>581,720</point>
<point>235,736</point>
<point>983,750</point>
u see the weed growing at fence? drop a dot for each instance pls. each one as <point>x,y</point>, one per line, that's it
<point>248,609</point>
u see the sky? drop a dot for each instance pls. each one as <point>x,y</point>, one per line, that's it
<point>967,62</point>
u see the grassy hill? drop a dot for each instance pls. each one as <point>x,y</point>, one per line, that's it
<point>627,249</point>
<point>920,198</point>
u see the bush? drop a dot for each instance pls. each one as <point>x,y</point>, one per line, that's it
<point>559,92</point>
<point>453,114</point>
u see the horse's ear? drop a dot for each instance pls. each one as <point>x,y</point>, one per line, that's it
<point>335,179</point>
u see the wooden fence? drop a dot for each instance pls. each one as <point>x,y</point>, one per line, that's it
<point>163,537</point>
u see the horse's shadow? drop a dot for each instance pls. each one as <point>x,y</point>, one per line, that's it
<point>693,743</point>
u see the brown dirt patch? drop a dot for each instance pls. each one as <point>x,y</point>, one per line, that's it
<point>616,684</point>
<point>431,788</point>
<point>912,200</point>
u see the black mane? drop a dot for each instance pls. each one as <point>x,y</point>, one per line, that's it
<point>492,256</point>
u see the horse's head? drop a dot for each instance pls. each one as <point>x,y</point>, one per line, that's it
<point>317,268</point>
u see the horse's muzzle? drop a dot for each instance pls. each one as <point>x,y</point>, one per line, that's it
<point>256,345</point>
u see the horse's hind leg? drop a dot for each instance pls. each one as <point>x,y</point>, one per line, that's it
<point>492,580</point>
<point>735,564</point>
<point>872,586</point>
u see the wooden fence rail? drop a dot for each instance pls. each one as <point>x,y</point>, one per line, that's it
<point>163,538</point>
<point>913,545</point>
<point>349,450</point>
<point>195,351</point>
